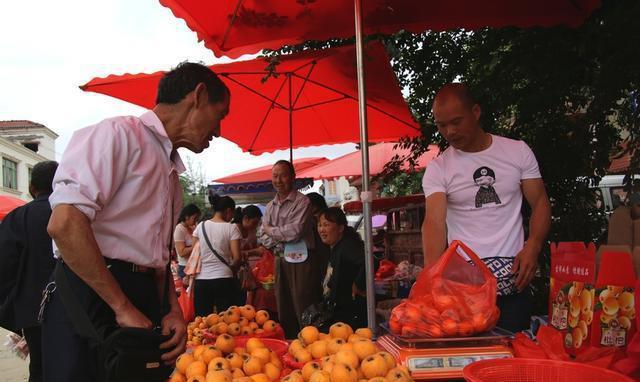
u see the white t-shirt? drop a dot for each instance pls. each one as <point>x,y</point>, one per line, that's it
<point>182,234</point>
<point>484,198</point>
<point>220,236</point>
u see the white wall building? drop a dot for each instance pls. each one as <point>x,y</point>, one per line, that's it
<point>22,145</point>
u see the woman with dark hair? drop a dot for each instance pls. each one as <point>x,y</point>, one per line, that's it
<point>248,220</point>
<point>344,283</point>
<point>183,235</point>
<point>220,258</point>
<point>319,204</point>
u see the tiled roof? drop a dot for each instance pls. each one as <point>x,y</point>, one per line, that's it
<point>7,125</point>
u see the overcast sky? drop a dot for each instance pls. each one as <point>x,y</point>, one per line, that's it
<point>49,48</point>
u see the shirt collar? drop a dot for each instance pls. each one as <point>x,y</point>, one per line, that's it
<point>151,120</point>
<point>291,197</point>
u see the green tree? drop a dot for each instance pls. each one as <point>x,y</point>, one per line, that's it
<point>194,185</point>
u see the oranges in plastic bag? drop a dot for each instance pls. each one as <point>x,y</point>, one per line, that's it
<point>451,299</point>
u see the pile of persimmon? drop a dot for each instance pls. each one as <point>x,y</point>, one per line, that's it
<point>224,362</point>
<point>235,321</point>
<point>342,355</point>
<point>458,313</point>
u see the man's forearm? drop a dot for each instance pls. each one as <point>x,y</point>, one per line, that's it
<point>539,225</point>
<point>71,231</point>
<point>434,242</point>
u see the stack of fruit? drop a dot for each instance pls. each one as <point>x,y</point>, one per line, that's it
<point>226,362</point>
<point>235,321</point>
<point>341,356</point>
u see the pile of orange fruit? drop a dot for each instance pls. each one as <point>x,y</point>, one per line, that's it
<point>235,321</point>
<point>225,362</point>
<point>342,355</point>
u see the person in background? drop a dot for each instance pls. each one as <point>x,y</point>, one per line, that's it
<point>319,204</point>
<point>116,198</point>
<point>183,235</point>
<point>287,230</point>
<point>216,285</point>
<point>474,192</point>
<point>344,282</point>
<point>27,262</point>
<point>248,221</point>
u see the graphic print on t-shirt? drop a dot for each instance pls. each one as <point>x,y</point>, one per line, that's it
<point>484,177</point>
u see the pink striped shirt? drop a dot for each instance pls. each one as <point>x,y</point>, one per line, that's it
<point>122,173</point>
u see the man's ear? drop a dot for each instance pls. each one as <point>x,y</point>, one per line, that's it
<point>201,95</point>
<point>477,112</point>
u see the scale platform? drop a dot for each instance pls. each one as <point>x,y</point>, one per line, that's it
<point>444,358</point>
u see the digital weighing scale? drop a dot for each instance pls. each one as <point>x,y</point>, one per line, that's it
<point>444,358</point>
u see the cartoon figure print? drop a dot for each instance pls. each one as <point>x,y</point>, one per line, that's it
<point>484,177</point>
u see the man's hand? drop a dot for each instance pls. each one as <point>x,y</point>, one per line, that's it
<point>173,324</point>
<point>266,228</point>
<point>130,317</point>
<point>524,266</point>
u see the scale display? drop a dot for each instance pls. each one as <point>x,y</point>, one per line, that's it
<point>422,364</point>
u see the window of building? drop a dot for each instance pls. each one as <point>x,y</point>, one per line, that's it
<point>9,174</point>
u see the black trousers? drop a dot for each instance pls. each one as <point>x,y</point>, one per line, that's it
<point>33,336</point>
<point>218,293</point>
<point>515,310</point>
<point>67,357</point>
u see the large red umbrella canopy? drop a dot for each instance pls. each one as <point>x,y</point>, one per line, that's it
<point>234,28</point>
<point>8,204</point>
<point>351,164</point>
<point>264,172</point>
<point>316,89</point>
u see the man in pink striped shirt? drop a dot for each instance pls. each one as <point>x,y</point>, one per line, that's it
<point>115,202</point>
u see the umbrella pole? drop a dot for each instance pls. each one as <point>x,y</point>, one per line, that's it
<point>290,121</point>
<point>366,194</point>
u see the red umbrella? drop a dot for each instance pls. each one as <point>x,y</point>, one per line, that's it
<point>351,164</point>
<point>8,204</point>
<point>312,99</point>
<point>233,28</point>
<point>264,172</point>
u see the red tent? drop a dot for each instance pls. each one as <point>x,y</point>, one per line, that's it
<point>351,164</point>
<point>311,99</point>
<point>8,204</point>
<point>234,28</point>
<point>264,172</point>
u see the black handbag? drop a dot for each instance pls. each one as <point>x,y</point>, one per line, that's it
<point>125,354</point>
<point>237,281</point>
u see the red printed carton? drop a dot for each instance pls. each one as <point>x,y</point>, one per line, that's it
<point>571,301</point>
<point>614,316</point>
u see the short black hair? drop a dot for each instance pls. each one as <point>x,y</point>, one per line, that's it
<point>461,91</point>
<point>42,176</point>
<point>188,210</point>
<point>292,170</point>
<point>221,203</point>
<point>249,212</point>
<point>317,200</point>
<point>184,78</point>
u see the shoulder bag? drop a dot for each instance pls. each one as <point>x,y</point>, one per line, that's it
<point>244,276</point>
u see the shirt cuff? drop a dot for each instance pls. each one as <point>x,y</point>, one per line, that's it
<point>70,194</point>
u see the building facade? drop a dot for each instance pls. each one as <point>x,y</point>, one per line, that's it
<point>22,145</point>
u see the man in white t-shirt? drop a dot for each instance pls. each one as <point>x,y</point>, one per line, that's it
<point>474,194</point>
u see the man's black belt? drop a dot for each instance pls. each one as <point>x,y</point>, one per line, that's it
<point>127,266</point>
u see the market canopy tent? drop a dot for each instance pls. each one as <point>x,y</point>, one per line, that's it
<point>264,173</point>
<point>310,98</point>
<point>8,204</point>
<point>233,28</point>
<point>351,164</point>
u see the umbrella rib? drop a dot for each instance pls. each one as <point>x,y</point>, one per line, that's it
<point>354,99</point>
<point>306,78</point>
<point>264,120</point>
<point>230,25</point>
<point>273,101</point>
<point>320,103</point>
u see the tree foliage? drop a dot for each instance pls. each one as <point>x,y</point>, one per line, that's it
<point>194,186</point>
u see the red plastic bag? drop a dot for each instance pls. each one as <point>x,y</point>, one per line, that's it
<point>451,298</point>
<point>524,347</point>
<point>264,269</point>
<point>186,304</point>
